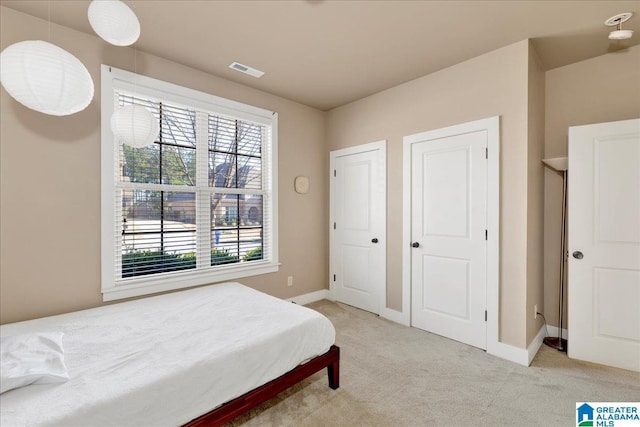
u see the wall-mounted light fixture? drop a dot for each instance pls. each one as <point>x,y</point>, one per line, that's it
<point>301,184</point>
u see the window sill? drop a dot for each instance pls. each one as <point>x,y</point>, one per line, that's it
<point>151,285</point>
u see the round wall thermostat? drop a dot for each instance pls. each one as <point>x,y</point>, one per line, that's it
<point>301,184</point>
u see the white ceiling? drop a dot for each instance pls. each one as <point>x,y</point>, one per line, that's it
<point>327,53</point>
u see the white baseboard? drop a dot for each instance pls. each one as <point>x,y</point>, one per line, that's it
<point>533,348</point>
<point>310,297</point>
<point>520,355</point>
<point>508,352</point>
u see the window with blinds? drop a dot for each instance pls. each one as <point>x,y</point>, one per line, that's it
<point>197,205</point>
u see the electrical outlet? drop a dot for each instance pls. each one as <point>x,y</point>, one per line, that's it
<point>290,281</point>
<point>535,311</point>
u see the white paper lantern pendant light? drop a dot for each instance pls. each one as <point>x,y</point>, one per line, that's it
<point>45,78</point>
<point>114,21</point>
<point>117,24</point>
<point>135,126</point>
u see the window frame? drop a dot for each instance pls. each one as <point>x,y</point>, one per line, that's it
<point>113,288</point>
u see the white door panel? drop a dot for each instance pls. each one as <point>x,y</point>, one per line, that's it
<point>446,286</point>
<point>358,206</point>
<point>355,271</point>
<point>604,225</point>
<point>448,222</point>
<point>445,183</point>
<point>355,191</point>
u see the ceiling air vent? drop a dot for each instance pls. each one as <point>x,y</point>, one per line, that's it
<point>246,69</point>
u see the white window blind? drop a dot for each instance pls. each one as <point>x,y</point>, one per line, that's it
<point>195,207</point>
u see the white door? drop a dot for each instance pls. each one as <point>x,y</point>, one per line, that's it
<point>358,226</point>
<point>604,243</point>
<point>448,235</point>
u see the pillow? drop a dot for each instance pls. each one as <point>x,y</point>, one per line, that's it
<point>31,359</point>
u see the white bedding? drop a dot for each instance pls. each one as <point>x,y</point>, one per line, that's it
<point>164,360</point>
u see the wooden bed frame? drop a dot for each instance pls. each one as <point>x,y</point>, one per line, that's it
<point>240,405</point>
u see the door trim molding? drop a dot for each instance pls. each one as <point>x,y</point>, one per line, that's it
<point>490,125</point>
<point>381,147</point>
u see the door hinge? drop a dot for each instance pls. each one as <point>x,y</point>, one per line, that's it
<point>334,172</point>
<point>486,234</point>
<point>486,153</point>
<point>485,315</point>
<point>334,277</point>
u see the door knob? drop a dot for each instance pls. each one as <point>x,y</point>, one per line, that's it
<point>374,240</point>
<point>578,255</point>
<point>415,245</point>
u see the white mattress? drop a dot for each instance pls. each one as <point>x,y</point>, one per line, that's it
<point>164,360</point>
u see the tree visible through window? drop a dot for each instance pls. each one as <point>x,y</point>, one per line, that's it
<point>159,227</point>
<point>197,206</point>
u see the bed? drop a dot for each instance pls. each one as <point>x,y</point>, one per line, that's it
<point>196,357</point>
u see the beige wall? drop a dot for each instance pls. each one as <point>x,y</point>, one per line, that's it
<point>50,183</point>
<point>492,84</point>
<point>535,195</point>
<point>50,180</point>
<point>602,89</point>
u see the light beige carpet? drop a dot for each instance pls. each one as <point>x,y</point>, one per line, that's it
<point>391,375</point>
